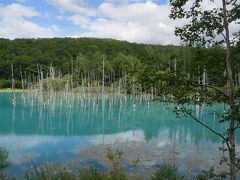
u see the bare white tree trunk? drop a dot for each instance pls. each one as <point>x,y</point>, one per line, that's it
<point>232,149</point>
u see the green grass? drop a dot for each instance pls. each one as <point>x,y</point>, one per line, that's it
<point>75,90</point>
<point>11,90</point>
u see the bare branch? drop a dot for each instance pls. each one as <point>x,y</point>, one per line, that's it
<point>224,37</point>
<point>206,126</point>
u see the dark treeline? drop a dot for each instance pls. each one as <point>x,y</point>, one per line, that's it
<point>138,63</point>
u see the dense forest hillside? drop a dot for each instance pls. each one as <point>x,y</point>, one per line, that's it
<point>138,62</point>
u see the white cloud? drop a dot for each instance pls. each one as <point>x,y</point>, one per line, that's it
<point>55,28</point>
<point>13,23</point>
<point>143,22</point>
<point>77,6</point>
<point>17,10</point>
<point>81,20</point>
<point>127,1</point>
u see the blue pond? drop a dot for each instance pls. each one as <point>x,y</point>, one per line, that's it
<point>78,128</point>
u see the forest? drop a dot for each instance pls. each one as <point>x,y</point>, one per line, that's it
<point>136,62</point>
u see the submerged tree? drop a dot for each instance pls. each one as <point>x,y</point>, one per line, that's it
<point>209,24</point>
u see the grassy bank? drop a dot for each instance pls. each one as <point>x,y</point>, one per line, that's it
<point>74,90</point>
<point>11,90</point>
<point>58,171</point>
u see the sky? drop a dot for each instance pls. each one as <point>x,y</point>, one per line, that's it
<point>141,21</point>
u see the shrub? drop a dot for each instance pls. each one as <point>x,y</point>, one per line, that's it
<point>209,174</point>
<point>117,171</point>
<point>4,83</point>
<point>166,172</point>
<point>3,162</point>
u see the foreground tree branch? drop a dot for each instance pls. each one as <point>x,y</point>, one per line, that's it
<point>205,27</point>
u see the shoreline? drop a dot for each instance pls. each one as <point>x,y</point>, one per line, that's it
<point>16,90</point>
<point>10,90</point>
<point>21,90</point>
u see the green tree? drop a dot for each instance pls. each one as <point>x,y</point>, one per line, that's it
<point>212,26</point>
<point>81,64</point>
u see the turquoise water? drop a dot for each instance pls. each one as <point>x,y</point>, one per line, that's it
<point>78,129</point>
